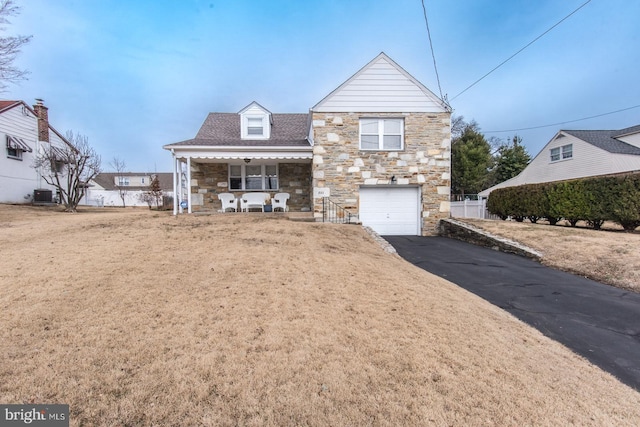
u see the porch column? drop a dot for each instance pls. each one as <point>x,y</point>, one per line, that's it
<point>175,185</point>
<point>189,184</point>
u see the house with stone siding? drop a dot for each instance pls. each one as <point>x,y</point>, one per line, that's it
<point>378,146</point>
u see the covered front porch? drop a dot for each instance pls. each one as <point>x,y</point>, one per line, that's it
<point>199,177</point>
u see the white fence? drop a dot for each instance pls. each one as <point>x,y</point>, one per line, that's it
<point>471,209</point>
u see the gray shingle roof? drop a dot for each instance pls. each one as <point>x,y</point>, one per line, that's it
<point>627,131</point>
<point>605,139</point>
<point>106,180</point>
<point>223,129</point>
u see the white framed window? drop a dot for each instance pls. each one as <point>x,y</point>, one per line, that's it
<point>253,177</point>
<point>561,153</point>
<point>15,147</point>
<point>123,181</point>
<point>381,134</point>
<point>57,166</point>
<point>14,153</point>
<point>254,126</point>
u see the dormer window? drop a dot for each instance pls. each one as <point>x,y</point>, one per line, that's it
<point>255,122</point>
<point>254,126</point>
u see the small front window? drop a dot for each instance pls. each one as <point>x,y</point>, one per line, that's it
<point>123,181</point>
<point>382,134</point>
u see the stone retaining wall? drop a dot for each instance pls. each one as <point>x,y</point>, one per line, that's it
<point>468,233</point>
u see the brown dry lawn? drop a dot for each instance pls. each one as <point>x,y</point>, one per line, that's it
<point>139,318</point>
<point>610,255</point>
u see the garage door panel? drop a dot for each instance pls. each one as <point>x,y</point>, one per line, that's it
<point>391,211</point>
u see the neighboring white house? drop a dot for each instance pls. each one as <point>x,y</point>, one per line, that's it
<point>104,189</point>
<point>25,132</point>
<point>575,154</point>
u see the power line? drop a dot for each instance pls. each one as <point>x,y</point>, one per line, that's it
<point>424,9</point>
<point>530,43</point>
<point>562,123</point>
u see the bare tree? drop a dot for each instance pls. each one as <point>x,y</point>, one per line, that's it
<point>119,166</point>
<point>10,47</point>
<point>147,198</point>
<point>69,168</point>
<point>155,190</point>
<point>153,194</point>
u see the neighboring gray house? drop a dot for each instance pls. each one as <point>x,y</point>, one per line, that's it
<point>104,189</point>
<point>575,154</point>
<point>378,145</point>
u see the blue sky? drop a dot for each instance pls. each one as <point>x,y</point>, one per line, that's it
<point>135,75</point>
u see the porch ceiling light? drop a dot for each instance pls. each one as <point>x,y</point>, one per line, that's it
<point>247,160</point>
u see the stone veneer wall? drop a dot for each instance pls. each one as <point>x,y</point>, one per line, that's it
<point>210,179</point>
<point>339,164</point>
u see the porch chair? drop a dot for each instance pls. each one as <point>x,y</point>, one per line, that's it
<point>280,201</point>
<point>229,201</point>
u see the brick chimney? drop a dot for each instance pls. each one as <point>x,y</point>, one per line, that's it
<point>42,113</point>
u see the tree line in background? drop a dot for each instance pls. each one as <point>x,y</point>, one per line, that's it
<point>478,163</point>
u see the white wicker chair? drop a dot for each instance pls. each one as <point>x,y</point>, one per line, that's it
<point>280,201</point>
<point>229,201</point>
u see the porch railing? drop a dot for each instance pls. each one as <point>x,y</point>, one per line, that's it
<point>333,212</point>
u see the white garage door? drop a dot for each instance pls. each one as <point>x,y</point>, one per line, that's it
<point>391,211</point>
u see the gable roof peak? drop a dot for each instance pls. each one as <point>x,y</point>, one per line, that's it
<point>254,104</point>
<point>383,79</point>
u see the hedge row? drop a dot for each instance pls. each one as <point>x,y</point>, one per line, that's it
<point>593,200</point>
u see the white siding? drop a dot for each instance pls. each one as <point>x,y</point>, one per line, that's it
<point>381,86</point>
<point>56,140</point>
<point>633,139</point>
<point>18,178</point>
<point>254,110</point>
<point>134,180</point>
<point>20,123</point>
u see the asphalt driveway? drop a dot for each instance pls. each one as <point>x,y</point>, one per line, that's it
<point>599,322</point>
